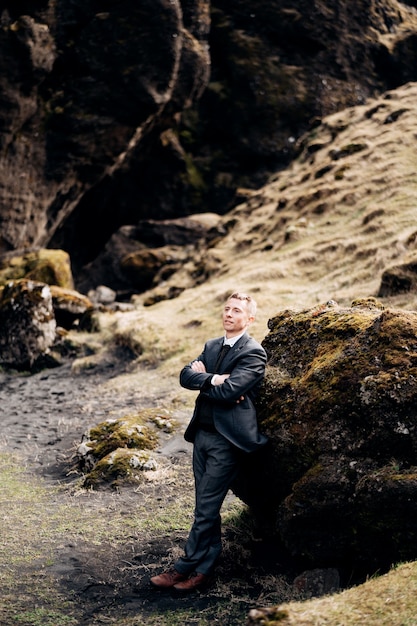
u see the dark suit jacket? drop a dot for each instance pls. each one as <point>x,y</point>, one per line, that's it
<point>245,363</point>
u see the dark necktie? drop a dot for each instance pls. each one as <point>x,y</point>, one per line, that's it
<point>224,350</point>
<point>205,407</point>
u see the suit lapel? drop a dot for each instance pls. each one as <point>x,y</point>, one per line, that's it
<point>214,353</point>
<point>239,345</point>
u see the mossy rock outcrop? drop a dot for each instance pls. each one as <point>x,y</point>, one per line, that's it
<point>122,466</point>
<point>52,267</point>
<point>117,451</point>
<point>338,482</point>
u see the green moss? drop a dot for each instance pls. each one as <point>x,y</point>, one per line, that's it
<point>194,177</point>
<point>128,432</point>
<point>370,303</point>
<point>52,267</point>
<point>121,465</point>
<point>117,450</point>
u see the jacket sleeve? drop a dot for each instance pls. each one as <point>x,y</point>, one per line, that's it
<point>246,375</point>
<point>196,381</point>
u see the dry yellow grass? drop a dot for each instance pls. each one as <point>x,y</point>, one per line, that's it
<point>389,600</point>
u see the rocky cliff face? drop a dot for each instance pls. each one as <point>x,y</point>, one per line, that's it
<point>126,111</point>
<point>279,67</point>
<point>81,87</point>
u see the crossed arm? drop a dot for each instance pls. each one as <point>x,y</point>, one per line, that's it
<point>232,387</point>
<point>217,379</point>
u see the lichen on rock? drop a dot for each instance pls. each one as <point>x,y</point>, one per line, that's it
<point>122,465</point>
<point>27,323</point>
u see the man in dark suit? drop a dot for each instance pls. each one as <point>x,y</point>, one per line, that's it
<point>227,374</point>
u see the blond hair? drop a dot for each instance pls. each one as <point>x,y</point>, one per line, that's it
<point>250,302</point>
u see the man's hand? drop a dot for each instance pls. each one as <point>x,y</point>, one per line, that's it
<point>198,366</point>
<point>219,379</point>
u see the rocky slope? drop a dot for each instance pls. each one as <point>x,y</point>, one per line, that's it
<point>328,227</point>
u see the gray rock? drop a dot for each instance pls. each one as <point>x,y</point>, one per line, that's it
<point>27,323</point>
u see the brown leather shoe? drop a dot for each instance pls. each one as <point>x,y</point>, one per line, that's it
<point>195,581</point>
<point>167,579</point>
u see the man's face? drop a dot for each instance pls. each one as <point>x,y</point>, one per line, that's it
<point>236,317</point>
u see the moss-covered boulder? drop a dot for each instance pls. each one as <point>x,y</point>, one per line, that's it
<point>122,466</point>
<point>339,404</point>
<point>52,267</point>
<point>118,450</point>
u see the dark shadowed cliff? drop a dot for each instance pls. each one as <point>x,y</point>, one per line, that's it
<point>125,111</point>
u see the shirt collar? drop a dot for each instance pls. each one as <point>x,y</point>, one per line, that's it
<point>231,342</point>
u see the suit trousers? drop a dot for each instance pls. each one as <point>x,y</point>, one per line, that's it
<point>215,466</point>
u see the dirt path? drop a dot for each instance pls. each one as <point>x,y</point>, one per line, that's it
<point>45,415</point>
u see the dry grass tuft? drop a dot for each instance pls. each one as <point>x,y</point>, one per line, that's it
<point>389,600</point>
